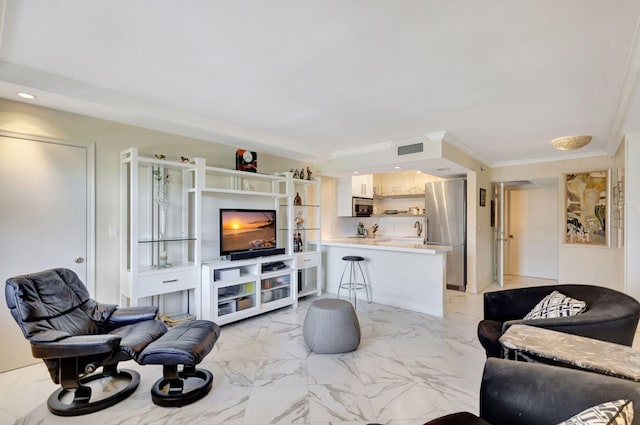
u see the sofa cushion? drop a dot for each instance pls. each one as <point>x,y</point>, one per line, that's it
<point>556,304</point>
<point>619,412</point>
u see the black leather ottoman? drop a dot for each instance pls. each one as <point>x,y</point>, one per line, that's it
<point>185,344</point>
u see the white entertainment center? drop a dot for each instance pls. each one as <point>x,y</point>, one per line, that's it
<point>171,230</point>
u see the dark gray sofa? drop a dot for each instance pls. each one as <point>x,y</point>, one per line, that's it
<point>610,315</point>
<point>518,393</point>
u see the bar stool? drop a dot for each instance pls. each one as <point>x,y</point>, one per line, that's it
<point>352,284</point>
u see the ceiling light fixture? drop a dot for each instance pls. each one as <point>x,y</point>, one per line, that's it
<point>26,95</point>
<point>570,143</point>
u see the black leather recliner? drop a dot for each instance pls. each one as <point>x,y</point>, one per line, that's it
<point>75,335</point>
<point>610,315</point>
<point>518,393</point>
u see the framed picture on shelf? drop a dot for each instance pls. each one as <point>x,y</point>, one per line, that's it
<point>587,208</point>
<point>246,161</point>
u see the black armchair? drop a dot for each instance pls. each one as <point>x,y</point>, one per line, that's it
<point>75,335</point>
<point>518,393</point>
<point>610,315</point>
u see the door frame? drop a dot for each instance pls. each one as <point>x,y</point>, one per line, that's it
<point>499,232</point>
<point>90,156</point>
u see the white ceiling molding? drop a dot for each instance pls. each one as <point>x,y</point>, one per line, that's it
<point>627,95</point>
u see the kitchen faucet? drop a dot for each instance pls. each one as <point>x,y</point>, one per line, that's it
<point>417,225</point>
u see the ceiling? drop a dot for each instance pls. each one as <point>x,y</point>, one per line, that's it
<point>314,79</point>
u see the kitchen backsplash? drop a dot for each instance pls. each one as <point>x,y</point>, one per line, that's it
<point>388,226</point>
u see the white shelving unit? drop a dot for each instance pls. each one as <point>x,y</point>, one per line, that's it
<point>254,287</point>
<point>158,251</point>
<point>170,227</point>
<point>303,231</point>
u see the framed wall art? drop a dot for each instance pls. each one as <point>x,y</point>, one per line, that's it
<point>483,197</point>
<point>587,208</point>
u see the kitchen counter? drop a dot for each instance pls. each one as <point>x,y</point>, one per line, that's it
<point>389,244</point>
<point>400,273</point>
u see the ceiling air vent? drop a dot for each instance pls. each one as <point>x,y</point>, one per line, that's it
<point>409,149</point>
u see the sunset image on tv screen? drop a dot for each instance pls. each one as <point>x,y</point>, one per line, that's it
<point>246,230</point>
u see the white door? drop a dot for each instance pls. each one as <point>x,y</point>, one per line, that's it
<point>47,209</point>
<point>533,232</point>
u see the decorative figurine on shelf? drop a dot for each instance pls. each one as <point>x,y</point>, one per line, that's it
<point>302,173</point>
<point>308,173</point>
<point>160,156</point>
<point>299,219</point>
<point>296,174</point>
<point>246,185</point>
<point>297,200</point>
<point>184,159</point>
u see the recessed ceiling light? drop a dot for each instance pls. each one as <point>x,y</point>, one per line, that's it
<point>356,172</point>
<point>26,95</point>
<point>418,172</point>
<point>396,167</point>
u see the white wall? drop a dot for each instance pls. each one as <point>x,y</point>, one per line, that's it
<point>110,138</point>
<point>632,215</point>
<point>576,264</point>
<point>479,233</point>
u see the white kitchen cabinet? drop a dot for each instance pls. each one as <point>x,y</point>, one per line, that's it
<point>362,185</point>
<point>348,187</point>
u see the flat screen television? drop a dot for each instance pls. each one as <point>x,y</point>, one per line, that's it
<point>244,230</point>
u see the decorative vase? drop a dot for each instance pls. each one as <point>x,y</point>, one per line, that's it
<point>297,200</point>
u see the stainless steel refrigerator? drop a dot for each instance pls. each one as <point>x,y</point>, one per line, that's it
<point>446,224</point>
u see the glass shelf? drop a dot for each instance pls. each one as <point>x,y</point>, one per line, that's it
<point>303,205</point>
<point>167,239</point>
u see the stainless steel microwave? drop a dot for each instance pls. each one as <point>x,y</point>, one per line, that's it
<point>361,207</point>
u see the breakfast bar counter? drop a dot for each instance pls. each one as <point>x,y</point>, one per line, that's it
<point>399,273</point>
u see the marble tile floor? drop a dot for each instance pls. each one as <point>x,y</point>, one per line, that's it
<point>409,368</point>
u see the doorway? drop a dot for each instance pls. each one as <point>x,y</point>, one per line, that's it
<point>46,219</point>
<point>528,246</point>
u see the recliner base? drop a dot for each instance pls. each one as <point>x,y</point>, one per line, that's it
<point>82,404</point>
<point>168,391</point>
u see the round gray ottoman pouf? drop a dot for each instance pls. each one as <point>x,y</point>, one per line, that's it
<point>331,326</point>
